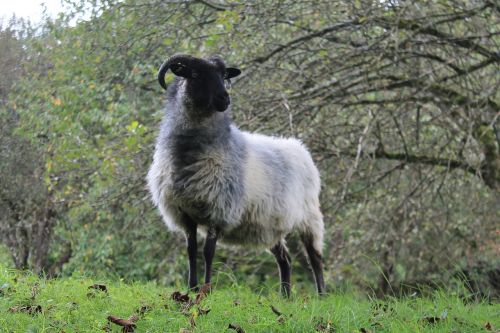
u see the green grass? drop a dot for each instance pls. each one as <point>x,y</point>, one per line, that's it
<point>68,305</point>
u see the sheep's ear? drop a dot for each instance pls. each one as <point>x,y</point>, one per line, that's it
<point>231,72</point>
<point>182,70</point>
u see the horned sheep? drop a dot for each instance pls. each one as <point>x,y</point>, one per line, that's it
<point>234,186</point>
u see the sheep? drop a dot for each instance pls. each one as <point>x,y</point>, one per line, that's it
<point>234,186</point>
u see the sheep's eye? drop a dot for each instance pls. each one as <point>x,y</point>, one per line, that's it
<point>227,84</point>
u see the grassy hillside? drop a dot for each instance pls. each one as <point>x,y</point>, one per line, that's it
<point>79,304</point>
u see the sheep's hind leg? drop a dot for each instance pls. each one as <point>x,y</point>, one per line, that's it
<point>192,249</point>
<point>316,262</point>
<point>209,252</point>
<point>285,268</point>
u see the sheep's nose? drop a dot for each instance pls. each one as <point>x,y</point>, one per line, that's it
<point>222,101</point>
<point>223,97</point>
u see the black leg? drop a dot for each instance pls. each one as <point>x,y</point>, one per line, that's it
<point>316,262</point>
<point>192,248</point>
<point>284,264</point>
<point>209,251</point>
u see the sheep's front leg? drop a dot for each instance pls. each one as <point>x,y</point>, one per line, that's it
<point>192,248</point>
<point>209,251</point>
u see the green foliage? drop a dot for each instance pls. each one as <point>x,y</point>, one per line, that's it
<point>69,304</point>
<point>5,257</point>
<point>399,117</point>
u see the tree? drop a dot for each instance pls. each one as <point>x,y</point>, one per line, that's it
<point>397,100</point>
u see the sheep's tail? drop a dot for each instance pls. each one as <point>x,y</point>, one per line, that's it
<point>312,228</point>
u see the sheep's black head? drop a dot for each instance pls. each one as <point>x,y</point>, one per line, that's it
<point>204,80</point>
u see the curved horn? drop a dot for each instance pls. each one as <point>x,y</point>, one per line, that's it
<point>178,58</point>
